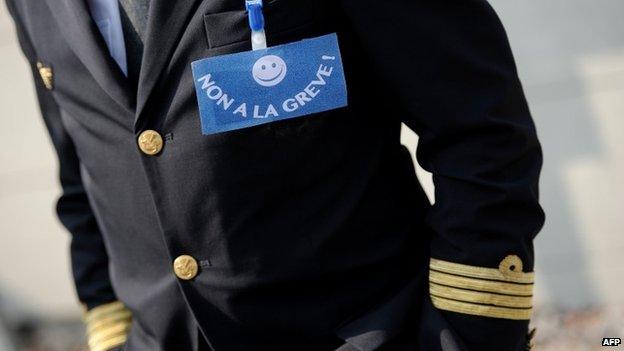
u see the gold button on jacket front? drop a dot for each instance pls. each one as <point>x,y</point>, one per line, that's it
<point>185,267</point>
<point>150,142</point>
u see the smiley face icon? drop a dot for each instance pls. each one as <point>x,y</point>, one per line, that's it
<point>269,70</point>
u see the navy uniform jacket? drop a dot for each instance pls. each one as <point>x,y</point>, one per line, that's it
<point>307,234</point>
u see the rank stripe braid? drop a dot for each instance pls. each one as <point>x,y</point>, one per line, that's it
<point>107,326</point>
<point>505,292</point>
<point>503,273</point>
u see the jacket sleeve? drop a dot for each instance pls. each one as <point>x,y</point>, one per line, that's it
<point>107,319</point>
<point>451,68</point>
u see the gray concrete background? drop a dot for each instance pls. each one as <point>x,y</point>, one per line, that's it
<point>570,55</point>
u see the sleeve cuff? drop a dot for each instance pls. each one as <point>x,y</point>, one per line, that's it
<point>107,326</point>
<point>506,292</point>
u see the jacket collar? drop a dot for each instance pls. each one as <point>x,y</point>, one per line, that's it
<point>167,21</point>
<point>84,38</point>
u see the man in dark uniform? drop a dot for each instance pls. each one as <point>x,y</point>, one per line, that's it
<point>306,234</point>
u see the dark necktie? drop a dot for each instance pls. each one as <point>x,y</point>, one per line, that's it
<point>134,21</point>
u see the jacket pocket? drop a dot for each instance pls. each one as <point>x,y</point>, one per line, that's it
<point>294,17</point>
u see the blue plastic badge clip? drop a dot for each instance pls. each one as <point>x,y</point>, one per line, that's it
<point>256,22</point>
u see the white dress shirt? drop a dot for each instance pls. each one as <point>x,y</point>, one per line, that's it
<point>105,13</point>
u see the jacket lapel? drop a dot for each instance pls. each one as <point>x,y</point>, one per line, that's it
<point>166,23</point>
<point>84,38</point>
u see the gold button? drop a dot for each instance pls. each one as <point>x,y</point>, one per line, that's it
<point>185,267</point>
<point>150,142</point>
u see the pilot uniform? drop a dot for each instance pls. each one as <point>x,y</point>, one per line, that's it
<point>309,234</point>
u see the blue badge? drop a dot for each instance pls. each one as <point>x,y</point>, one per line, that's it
<point>247,89</point>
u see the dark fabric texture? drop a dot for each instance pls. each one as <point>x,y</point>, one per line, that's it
<point>134,15</point>
<point>136,11</point>
<point>312,233</point>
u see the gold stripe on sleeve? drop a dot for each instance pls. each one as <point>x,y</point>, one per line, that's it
<point>480,285</point>
<point>110,344</point>
<point>481,310</point>
<point>107,326</point>
<point>510,270</point>
<point>98,312</point>
<point>503,292</point>
<point>117,317</point>
<point>108,332</point>
<point>480,297</point>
